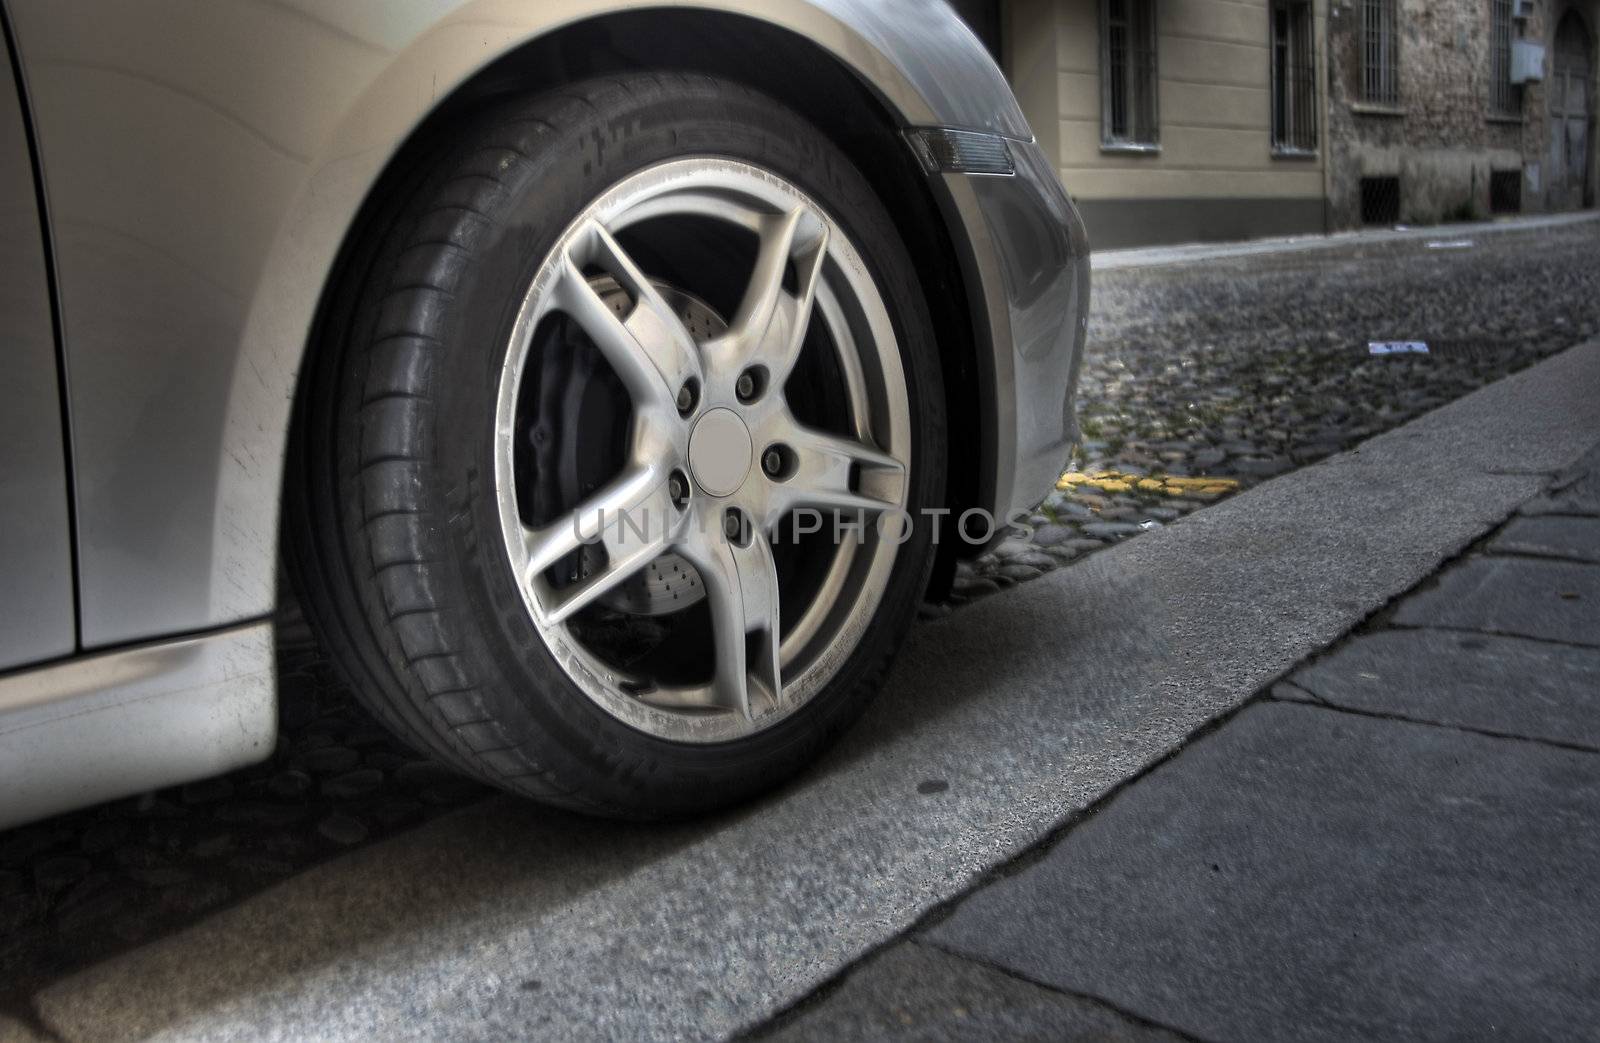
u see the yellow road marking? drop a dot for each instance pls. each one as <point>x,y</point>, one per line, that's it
<point>1171,485</point>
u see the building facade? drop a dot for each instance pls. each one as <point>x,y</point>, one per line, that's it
<point>1458,109</point>
<point>1191,120</point>
<point>1178,120</point>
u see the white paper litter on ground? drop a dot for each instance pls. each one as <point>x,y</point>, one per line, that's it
<point>1397,347</point>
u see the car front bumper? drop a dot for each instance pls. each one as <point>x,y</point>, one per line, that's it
<point>1027,262</point>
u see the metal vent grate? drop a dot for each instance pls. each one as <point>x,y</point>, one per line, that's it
<point>1380,200</point>
<point>1505,192</point>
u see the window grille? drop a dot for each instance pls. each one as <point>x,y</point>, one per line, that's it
<point>1505,97</point>
<point>1128,72</point>
<point>1294,76</point>
<point>1380,52</point>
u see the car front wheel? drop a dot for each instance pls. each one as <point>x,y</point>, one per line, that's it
<point>615,458</point>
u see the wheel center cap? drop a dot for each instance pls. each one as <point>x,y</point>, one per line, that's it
<point>720,452</point>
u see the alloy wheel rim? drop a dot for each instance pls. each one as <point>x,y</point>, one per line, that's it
<point>717,462</point>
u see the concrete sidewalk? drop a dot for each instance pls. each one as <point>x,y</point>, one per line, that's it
<point>1401,840</point>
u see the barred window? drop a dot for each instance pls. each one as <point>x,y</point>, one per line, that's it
<point>1505,97</point>
<point>1128,72</point>
<point>1294,76</point>
<point>1380,52</point>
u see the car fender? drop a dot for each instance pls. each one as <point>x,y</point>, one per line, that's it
<point>204,165</point>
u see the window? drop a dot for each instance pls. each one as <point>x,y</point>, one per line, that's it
<point>1128,73</point>
<point>1505,97</point>
<point>1294,77</point>
<point>1380,47</point>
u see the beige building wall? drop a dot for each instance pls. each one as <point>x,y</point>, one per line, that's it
<point>1216,175</point>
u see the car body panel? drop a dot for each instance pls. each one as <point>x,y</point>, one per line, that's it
<point>1042,251</point>
<point>37,617</point>
<point>204,163</point>
<point>1025,255</point>
<point>134,720</point>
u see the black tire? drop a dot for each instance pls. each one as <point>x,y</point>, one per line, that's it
<point>393,524</point>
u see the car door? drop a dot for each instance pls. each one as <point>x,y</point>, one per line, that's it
<point>37,612</point>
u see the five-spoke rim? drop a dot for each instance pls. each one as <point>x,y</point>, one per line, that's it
<point>716,457</point>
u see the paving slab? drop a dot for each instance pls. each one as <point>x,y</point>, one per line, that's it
<point>1506,685</point>
<point>1548,600</point>
<point>1576,492</point>
<point>917,992</point>
<point>505,920</point>
<point>1303,874</point>
<point>1553,536</point>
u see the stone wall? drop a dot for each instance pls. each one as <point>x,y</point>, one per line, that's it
<point>1441,140</point>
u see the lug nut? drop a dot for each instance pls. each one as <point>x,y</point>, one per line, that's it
<point>751,383</point>
<point>732,525</point>
<point>686,397</point>
<point>772,462</point>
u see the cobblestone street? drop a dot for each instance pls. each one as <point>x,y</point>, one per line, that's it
<point>1201,380</point>
<point>1240,369</point>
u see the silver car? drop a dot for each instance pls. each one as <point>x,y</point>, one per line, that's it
<point>608,381</point>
